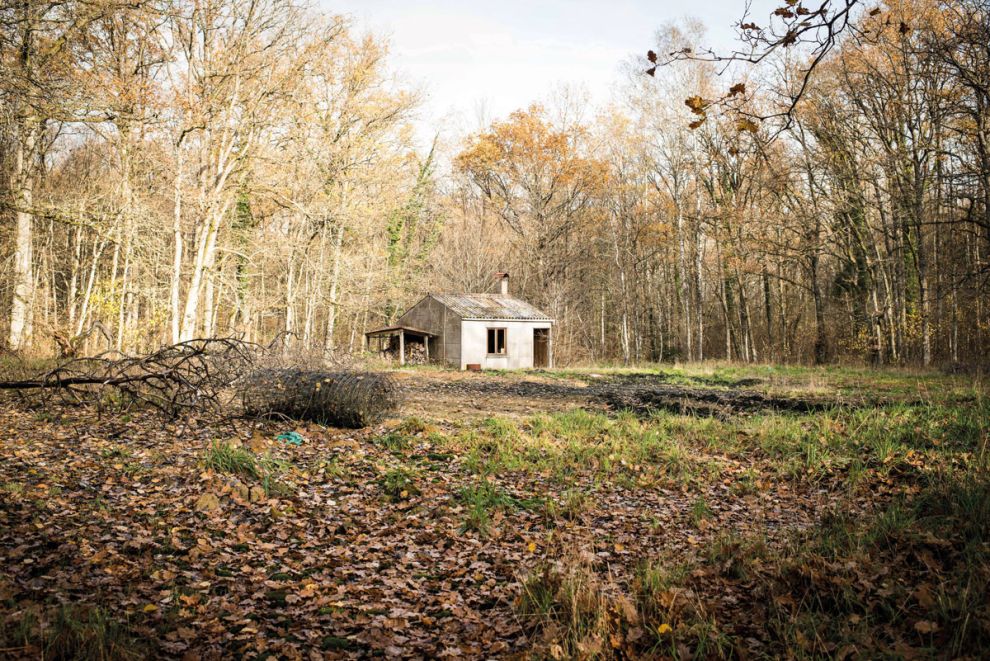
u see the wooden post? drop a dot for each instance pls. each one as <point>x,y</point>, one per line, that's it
<point>426,343</point>
<point>550,348</point>
<point>402,347</point>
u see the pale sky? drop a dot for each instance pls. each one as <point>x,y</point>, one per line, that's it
<point>505,54</point>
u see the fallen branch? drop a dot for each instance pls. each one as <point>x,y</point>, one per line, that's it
<point>181,378</point>
<point>218,377</point>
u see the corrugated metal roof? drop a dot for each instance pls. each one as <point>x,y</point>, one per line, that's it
<point>394,329</point>
<point>490,306</point>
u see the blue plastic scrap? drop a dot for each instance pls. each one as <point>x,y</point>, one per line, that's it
<point>290,438</point>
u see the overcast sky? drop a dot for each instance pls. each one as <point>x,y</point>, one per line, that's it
<point>505,54</point>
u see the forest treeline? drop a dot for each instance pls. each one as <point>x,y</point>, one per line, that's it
<point>175,169</point>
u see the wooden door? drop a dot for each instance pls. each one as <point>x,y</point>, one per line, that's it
<point>541,347</point>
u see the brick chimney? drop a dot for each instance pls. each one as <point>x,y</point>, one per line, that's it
<point>503,283</point>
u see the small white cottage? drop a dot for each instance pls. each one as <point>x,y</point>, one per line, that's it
<point>474,331</point>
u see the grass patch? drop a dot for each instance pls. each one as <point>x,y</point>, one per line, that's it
<point>578,442</point>
<point>700,512</point>
<point>267,469</point>
<point>224,457</point>
<point>330,468</point>
<point>571,506</point>
<point>575,612</point>
<point>399,484</point>
<point>13,488</point>
<point>483,499</point>
<point>70,632</point>
<point>913,576</point>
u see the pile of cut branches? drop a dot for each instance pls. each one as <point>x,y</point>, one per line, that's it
<point>221,378</point>
<point>188,377</point>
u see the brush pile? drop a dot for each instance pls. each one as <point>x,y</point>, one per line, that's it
<point>186,378</point>
<point>215,378</point>
<point>340,399</point>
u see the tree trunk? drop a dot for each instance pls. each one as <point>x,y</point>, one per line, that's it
<point>22,189</point>
<point>338,242</point>
<point>176,284</point>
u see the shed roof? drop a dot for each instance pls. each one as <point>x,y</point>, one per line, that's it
<point>491,307</point>
<point>388,330</point>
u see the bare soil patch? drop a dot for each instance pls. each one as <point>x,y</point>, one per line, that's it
<point>465,394</point>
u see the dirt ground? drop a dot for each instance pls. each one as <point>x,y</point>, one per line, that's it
<point>450,395</point>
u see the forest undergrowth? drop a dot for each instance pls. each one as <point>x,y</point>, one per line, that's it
<point>556,528</point>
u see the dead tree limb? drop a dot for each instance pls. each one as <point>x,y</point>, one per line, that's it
<point>189,377</point>
<point>222,378</point>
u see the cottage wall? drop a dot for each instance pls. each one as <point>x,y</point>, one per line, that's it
<point>518,340</point>
<point>430,315</point>
<point>452,338</point>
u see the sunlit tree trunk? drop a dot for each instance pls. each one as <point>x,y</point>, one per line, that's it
<point>22,189</point>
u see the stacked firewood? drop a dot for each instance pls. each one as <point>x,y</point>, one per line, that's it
<point>415,353</point>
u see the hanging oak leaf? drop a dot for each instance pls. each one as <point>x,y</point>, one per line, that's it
<point>738,88</point>
<point>651,56</point>
<point>746,124</point>
<point>695,124</point>
<point>696,104</point>
<point>652,71</point>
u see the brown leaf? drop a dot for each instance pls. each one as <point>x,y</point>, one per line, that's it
<point>746,124</point>
<point>207,502</point>
<point>651,56</point>
<point>924,596</point>
<point>696,104</point>
<point>256,494</point>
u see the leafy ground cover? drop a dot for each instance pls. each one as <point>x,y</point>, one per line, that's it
<point>512,515</point>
